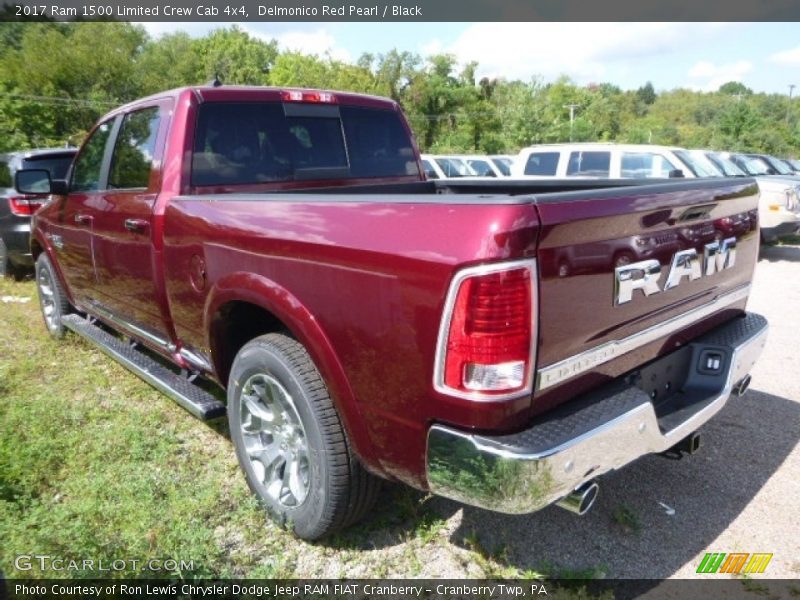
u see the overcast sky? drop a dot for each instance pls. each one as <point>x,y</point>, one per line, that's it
<point>701,56</point>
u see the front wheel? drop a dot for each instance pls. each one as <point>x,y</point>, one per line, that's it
<point>290,441</point>
<point>52,299</point>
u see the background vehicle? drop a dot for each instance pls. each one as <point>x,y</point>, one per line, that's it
<point>365,323</point>
<point>614,161</point>
<point>793,164</point>
<point>503,163</point>
<point>446,167</point>
<point>431,170</point>
<point>779,197</point>
<point>482,166</point>
<point>761,164</point>
<point>16,209</point>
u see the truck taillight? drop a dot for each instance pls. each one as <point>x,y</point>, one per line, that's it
<point>485,346</point>
<point>24,206</point>
<point>301,96</point>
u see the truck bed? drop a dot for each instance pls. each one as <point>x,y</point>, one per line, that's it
<point>377,291</point>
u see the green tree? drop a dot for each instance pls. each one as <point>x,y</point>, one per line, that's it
<point>733,88</point>
<point>646,93</point>
<point>236,57</point>
<point>171,61</point>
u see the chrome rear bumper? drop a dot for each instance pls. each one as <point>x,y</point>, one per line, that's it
<point>603,431</point>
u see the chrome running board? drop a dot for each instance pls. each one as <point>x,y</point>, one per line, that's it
<point>197,401</point>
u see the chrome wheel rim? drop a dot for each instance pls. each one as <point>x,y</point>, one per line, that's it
<point>275,440</point>
<point>47,298</point>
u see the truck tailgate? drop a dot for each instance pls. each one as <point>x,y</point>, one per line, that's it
<point>591,326</point>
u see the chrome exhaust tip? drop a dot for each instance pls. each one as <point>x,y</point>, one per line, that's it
<point>581,499</point>
<point>741,387</point>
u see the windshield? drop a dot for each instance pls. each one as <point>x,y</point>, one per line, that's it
<point>504,164</point>
<point>778,165</point>
<point>481,167</point>
<point>700,168</point>
<point>453,167</point>
<point>754,165</point>
<point>724,165</point>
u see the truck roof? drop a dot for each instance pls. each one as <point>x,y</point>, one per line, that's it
<point>209,92</point>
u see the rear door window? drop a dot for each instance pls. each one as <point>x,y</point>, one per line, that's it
<point>542,163</point>
<point>134,151</point>
<point>250,143</point>
<point>636,165</point>
<point>643,165</point>
<point>589,164</point>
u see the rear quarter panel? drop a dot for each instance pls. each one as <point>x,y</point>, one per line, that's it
<point>361,283</point>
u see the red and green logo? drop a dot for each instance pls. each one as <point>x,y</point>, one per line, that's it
<point>734,563</point>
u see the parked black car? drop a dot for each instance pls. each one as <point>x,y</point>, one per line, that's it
<point>16,209</point>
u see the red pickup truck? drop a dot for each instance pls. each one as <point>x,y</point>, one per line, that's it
<point>283,245</point>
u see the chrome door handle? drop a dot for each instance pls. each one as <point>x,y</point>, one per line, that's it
<point>136,225</point>
<point>83,219</point>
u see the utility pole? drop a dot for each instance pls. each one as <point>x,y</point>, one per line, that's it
<point>789,108</point>
<point>571,108</point>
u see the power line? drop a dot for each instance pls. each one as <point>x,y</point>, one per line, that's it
<point>59,100</point>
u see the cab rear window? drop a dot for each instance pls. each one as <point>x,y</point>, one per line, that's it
<point>249,143</point>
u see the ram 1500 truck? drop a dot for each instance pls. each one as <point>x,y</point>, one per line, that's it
<point>283,245</point>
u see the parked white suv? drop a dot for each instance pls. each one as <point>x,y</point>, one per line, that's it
<point>779,196</point>
<point>599,160</point>
<point>445,167</point>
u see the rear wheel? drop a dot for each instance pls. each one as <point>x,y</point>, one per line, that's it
<point>623,259</point>
<point>52,299</point>
<point>290,441</point>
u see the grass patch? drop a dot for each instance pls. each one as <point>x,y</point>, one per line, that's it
<point>95,464</point>
<point>627,519</point>
<point>753,586</point>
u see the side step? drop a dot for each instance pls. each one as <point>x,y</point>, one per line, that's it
<point>197,401</point>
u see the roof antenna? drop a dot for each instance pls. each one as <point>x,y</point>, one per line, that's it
<point>215,82</point>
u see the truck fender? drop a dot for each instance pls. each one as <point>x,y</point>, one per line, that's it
<point>284,306</point>
<point>39,239</point>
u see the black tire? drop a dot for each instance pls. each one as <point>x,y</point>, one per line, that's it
<point>52,299</point>
<point>622,259</point>
<point>339,491</point>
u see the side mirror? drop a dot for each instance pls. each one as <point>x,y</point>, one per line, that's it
<point>675,173</point>
<point>37,181</point>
